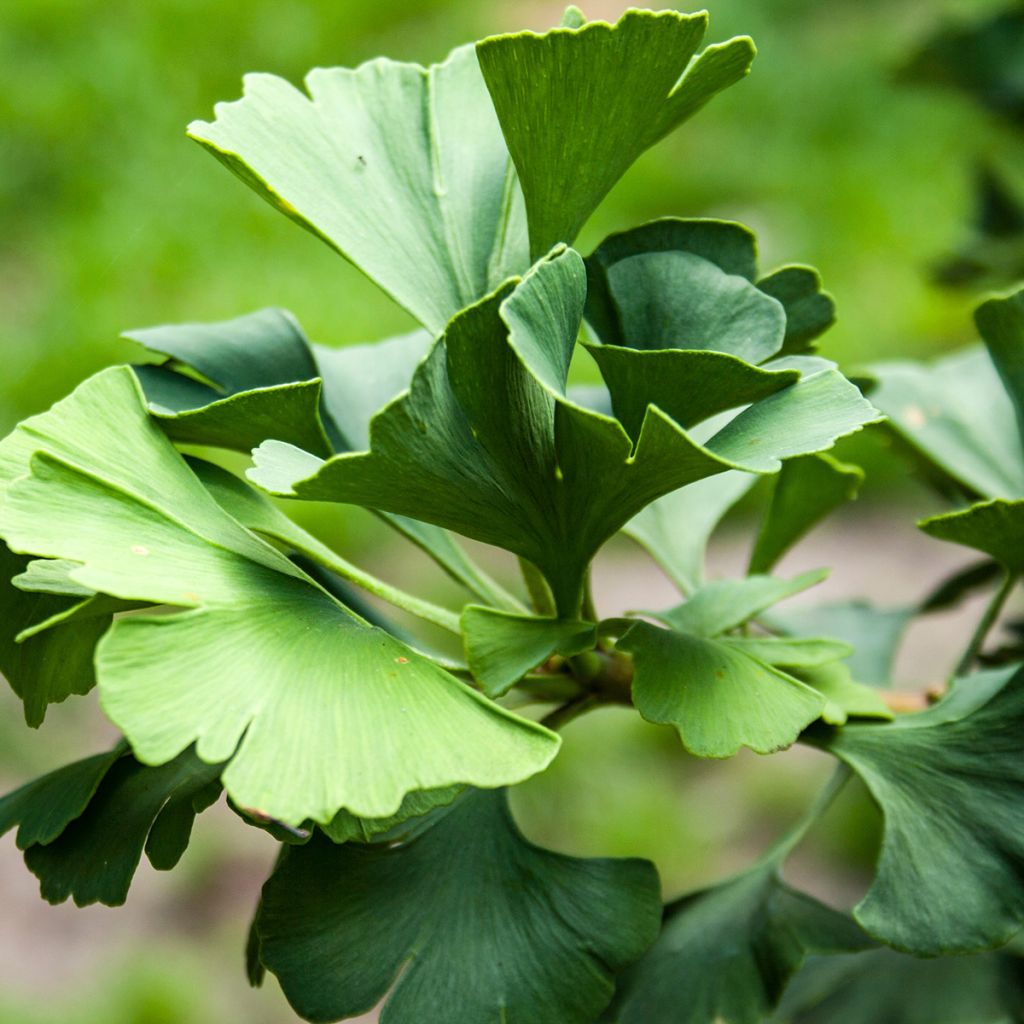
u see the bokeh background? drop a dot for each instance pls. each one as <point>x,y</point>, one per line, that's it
<point>111,219</point>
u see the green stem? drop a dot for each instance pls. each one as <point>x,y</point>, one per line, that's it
<point>565,713</point>
<point>461,568</point>
<point>426,610</point>
<point>537,586</point>
<point>988,620</point>
<point>589,608</point>
<point>821,803</point>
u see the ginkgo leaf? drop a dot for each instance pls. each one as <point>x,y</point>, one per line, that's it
<point>592,98</point>
<point>470,923</point>
<point>257,350</point>
<point>806,491</point>
<point>722,605</point>
<point>421,199</point>
<point>54,664</point>
<point>313,709</point>
<point>676,528</point>
<point>537,474</point>
<point>262,361</point>
<point>43,808</point>
<point>1001,323</point>
<point>288,412</point>
<point>619,319</point>
<point>874,632</point>
<point>950,784</point>
<point>957,415</point>
<point>726,953</point>
<point>690,386</point>
<point>886,987</point>
<point>130,808</point>
<point>501,647</point>
<point>845,698</point>
<point>994,527</point>
<point>791,652</point>
<point>716,696</point>
<point>810,311</point>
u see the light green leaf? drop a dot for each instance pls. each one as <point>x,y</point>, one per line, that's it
<point>359,380</point>
<point>676,528</point>
<point>726,953</point>
<point>579,105</point>
<point>315,710</point>
<point>501,647</point>
<point>134,807</point>
<point>994,527</point>
<point>806,491</point>
<point>1001,323</point>
<point>537,474</point>
<point>845,698</point>
<point>950,784</point>
<point>873,632</point>
<point>43,809</point>
<point>420,199</point>
<point>956,414</point>
<point>718,698</point>
<point>787,652</point>
<point>471,923</point>
<point>725,604</point>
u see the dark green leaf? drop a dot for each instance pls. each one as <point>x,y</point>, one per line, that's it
<point>135,807</point>
<point>579,105</point>
<point>501,647</point>
<point>240,422</point>
<point>726,953</point>
<point>258,350</point>
<point>809,310</point>
<point>463,923</point>
<point>728,246</point>
<point>885,987</point>
<point>950,783</point>
<point>43,809</point>
<point>535,473</point>
<point>56,663</point>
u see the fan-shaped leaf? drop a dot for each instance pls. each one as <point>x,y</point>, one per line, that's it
<point>470,923</point>
<point>726,953</point>
<point>419,198</point>
<point>950,783</point>
<point>333,713</point>
<point>579,105</point>
<point>537,474</point>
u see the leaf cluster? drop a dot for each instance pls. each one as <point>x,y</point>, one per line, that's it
<point>238,653</point>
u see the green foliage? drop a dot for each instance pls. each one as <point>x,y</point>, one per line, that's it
<point>228,645</point>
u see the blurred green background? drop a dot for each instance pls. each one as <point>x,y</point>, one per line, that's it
<point>111,219</point>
